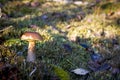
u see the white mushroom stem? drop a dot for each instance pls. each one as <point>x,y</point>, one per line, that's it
<point>31,55</point>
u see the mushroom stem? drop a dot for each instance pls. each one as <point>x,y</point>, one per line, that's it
<point>31,55</point>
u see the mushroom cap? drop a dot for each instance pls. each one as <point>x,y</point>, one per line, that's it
<point>31,36</point>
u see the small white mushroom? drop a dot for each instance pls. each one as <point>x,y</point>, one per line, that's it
<point>31,37</point>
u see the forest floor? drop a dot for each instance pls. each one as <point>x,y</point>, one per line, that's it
<point>64,27</point>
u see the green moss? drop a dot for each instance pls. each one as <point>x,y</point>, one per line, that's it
<point>12,42</point>
<point>26,10</point>
<point>16,9</point>
<point>61,73</point>
<point>6,54</point>
<point>5,22</point>
<point>109,6</point>
<point>3,1</point>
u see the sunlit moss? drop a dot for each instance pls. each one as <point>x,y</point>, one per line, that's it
<point>16,9</point>
<point>63,75</point>
<point>6,54</point>
<point>110,6</point>
<point>12,42</point>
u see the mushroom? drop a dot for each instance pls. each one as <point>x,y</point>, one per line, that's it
<point>31,37</point>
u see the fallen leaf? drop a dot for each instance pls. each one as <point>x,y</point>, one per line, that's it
<point>67,47</point>
<point>96,57</point>
<point>80,71</point>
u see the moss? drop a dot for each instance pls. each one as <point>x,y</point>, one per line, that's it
<point>5,22</point>
<point>16,9</point>
<point>11,42</point>
<point>109,6</point>
<point>51,51</point>
<point>61,73</point>
<point>26,10</point>
<point>3,1</point>
<point>6,55</point>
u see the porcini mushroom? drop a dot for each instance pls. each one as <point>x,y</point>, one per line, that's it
<point>31,37</point>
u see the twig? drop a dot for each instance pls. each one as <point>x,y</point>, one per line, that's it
<point>6,28</point>
<point>33,71</point>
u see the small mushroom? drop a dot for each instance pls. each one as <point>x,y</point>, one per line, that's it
<point>31,37</point>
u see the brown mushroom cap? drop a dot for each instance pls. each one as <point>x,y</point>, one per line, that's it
<point>30,36</point>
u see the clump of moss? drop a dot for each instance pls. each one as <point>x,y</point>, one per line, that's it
<point>62,74</point>
<point>3,1</point>
<point>5,22</point>
<point>6,55</point>
<point>110,6</point>
<point>16,9</point>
